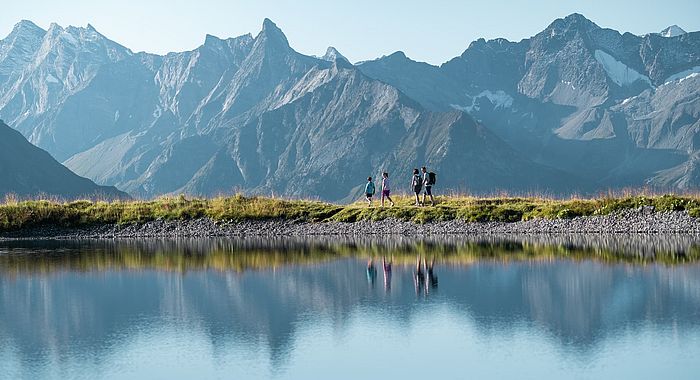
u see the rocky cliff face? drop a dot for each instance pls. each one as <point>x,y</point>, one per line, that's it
<point>561,112</point>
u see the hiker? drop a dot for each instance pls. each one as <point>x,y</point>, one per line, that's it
<point>432,280</point>
<point>416,185</point>
<point>387,273</point>
<point>418,276</point>
<point>386,189</point>
<point>371,271</point>
<point>428,182</point>
<point>369,191</point>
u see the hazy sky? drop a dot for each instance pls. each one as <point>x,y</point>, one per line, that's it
<point>427,30</point>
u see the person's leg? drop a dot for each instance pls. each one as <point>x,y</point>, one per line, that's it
<point>390,200</point>
<point>417,200</point>
<point>382,199</point>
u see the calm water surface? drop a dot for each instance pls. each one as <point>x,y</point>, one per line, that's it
<point>545,308</point>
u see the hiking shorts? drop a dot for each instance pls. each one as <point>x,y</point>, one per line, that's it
<point>417,189</point>
<point>386,193</point>
<point>428,190</point>
<point>368,195</point>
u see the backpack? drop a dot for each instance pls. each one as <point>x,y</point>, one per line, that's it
<point>431,179</point>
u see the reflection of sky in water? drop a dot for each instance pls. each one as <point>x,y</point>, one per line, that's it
<point>547,319</point>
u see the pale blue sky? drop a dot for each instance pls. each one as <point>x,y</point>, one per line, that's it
<point>427,30</point>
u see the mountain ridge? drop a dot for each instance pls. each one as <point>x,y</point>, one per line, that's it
<point>241,114</point>
<point>29,172</point>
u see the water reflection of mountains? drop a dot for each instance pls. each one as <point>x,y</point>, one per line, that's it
<point>53,294</point>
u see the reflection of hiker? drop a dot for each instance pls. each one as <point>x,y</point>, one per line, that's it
<point>369,191</point>
<point>432,278</point>
<point>387,273</point>
<point>371,272</point>
<point>428,182</point>
<point>386,189</point>
<point>416,185</point>
<point>418,277</point>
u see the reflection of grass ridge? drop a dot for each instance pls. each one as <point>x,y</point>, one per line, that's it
<point>239,258</point>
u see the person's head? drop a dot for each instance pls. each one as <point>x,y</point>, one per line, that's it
<point>385,175</point>
<point>424,169</point>
<point>415,171</point>
<point>369,179</point>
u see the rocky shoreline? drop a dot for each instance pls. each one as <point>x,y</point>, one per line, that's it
<point>639,221</point>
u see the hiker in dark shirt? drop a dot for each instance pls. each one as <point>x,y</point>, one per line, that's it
<point>428,182</point>
<point>416,185</point>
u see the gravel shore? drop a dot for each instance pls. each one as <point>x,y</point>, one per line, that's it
<point>641,221</point>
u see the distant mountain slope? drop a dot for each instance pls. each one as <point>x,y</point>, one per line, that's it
<point>27,171</point>
<point>576,108</point>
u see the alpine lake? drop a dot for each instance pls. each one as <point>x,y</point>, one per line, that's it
<point>541,307</point>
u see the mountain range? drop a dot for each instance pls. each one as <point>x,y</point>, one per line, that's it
<point>575,109</point>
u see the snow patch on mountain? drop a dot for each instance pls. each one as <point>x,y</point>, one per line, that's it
<point>499,99</point>
<point>618,72</point>
<point>685,74</point>
<point>52,79</point>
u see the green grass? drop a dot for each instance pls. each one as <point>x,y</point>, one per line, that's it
<point>16,215</point>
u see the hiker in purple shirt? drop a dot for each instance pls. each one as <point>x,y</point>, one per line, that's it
<point>386,189</point>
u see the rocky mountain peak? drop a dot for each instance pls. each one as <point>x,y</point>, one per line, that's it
<point>672,31</point>
<point>212,40</point>
<point>272,34</point>
<point>332,55</point>
<point>26,27</point>
<point>398,55</point>
<point>573,23</point>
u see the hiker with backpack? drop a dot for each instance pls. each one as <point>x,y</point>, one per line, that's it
<point>369,191</point>
<point>416,185</point>
<point>428,183</point>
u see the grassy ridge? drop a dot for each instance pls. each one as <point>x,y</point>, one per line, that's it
<point>16,215</point>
